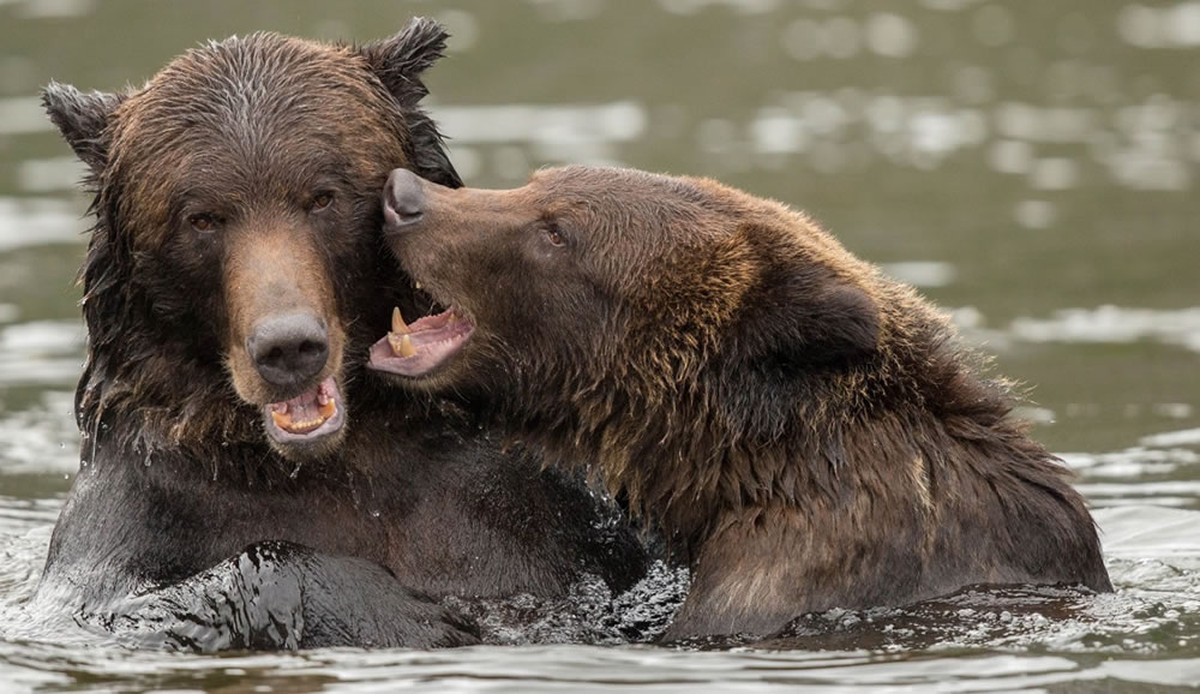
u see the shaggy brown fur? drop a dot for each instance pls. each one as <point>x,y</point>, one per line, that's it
<point>234,279</point>
<point>242,136</point>
<point>810,430</point>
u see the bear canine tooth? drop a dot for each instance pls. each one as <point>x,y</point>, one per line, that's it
<point>398,324</point>
<point>401,344</point>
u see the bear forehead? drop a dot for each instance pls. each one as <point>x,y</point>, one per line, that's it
<point>707,241</point>
<point>657,207</point>
<point>256,87</point>
<point>654,221</point>
<point>678,216</point>
<point>265,113</point>
<point>600,182</point>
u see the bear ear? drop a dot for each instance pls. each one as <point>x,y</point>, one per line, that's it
<point>426,152</point>
<point>804,320</point>
<point>399,61</point>
<point>82,119</point>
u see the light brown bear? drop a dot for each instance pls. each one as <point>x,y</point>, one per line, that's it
<point>809,431</point>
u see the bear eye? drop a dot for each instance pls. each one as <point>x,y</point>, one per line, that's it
<point>320,201</point>
<point>554,235</point>
<point>203,222</point>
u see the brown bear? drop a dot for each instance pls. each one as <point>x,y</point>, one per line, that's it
<point>809,431</point>
<point>244,482</point>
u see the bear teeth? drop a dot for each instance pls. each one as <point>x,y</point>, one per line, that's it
<point>398,338</point>
<point>327,407</point>
<point>402,345</point>
<point>398,324</point>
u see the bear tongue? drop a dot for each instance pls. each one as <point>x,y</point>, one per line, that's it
<point>306,411</point>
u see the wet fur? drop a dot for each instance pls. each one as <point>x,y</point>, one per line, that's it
<point>179,495</point>
<point>811,433</point>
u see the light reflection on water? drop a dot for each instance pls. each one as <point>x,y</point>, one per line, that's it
<point>1030,166</point>
<point>38,221</point>
<point>1112,324</point>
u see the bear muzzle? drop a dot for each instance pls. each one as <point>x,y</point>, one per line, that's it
<point>403,200</point>
<point>289,352</point>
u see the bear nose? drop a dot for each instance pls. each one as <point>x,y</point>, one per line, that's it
<point>403,198</point>
<point>289,350</point>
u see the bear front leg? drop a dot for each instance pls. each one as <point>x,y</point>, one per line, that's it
<point>280,595</point>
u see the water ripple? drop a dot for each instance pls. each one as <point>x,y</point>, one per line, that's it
<point>1113,324</point>
<point>41,353</point>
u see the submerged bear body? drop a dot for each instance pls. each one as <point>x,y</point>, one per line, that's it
<point>809,432</point>
<point>244,482</point>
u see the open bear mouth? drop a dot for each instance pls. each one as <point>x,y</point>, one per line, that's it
<point>415,350</point>
<point>311,415</point>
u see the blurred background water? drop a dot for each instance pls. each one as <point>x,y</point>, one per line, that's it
<point>1031,166</point>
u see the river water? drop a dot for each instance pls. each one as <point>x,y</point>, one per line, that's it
<point>1030,166</point>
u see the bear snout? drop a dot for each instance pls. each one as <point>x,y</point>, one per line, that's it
<point>289,350</point>
<point>403,199</point>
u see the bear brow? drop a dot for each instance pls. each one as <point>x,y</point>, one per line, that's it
<point>192,196</point>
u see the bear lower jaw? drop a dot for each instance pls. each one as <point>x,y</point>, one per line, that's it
<point>315,415</point>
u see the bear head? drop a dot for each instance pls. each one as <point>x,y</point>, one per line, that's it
<point>613,307</point>
<point>234,266</point>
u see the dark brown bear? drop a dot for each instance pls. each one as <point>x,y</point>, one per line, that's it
<point>809,430</point>
<point>243,482</point>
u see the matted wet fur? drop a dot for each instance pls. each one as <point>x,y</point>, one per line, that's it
<point>243,483</point>
<point>811,433</point>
